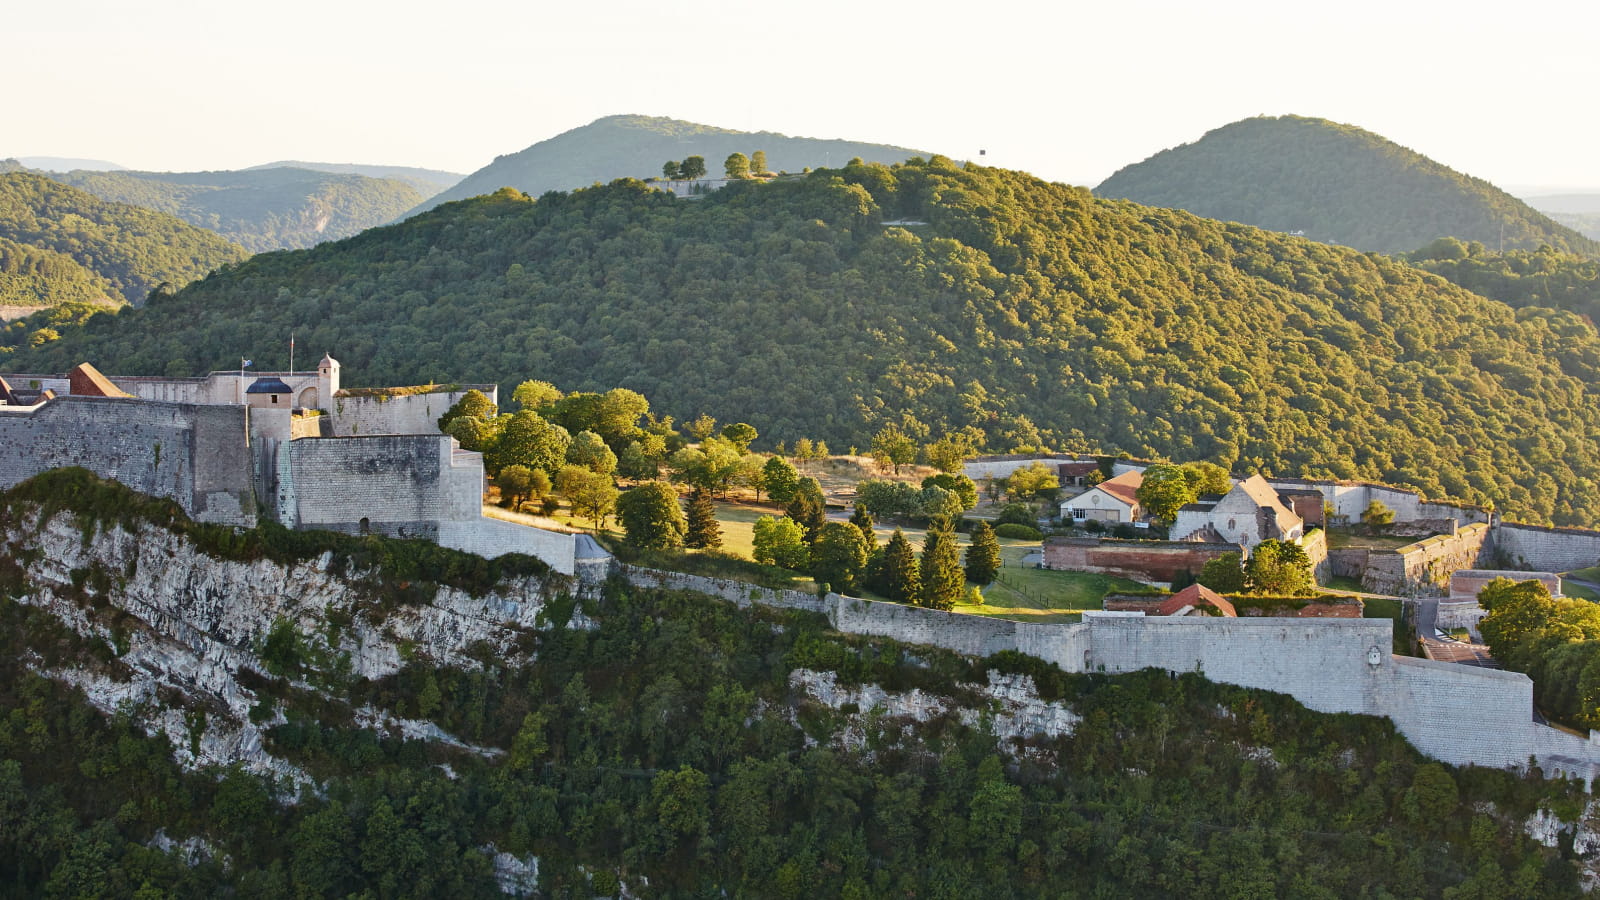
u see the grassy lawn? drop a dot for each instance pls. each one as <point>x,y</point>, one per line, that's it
<point>1590,574</point>
<point>1578,591</point>
<point>1340,539</point>
<point>1344,583</point>
<point>1381,608</point>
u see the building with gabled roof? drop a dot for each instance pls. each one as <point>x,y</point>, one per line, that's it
<point>1197,600</point>
<point>1113,500</point>
<point>1247,515</point>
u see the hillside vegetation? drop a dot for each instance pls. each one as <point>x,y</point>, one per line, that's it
<point>1517,277</point>
<point>668,745</point>
<point>260,209</point>
<point>1030,313</point>
<point>637,146</point>
<point>427,181</point>
<point>132,249</point>
<point>1336,183</point>
<point>34,276</point>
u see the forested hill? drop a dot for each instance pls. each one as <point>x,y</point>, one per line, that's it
<point>1031,312</point>
<point>1336,183</point>
<point>427,181</point>
<point>131,249</point>
<point>638,146</point>
<point>260,209</point>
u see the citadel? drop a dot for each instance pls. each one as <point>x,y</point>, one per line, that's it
<point>298,449</point>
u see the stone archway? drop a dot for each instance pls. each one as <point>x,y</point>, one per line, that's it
<point>308,399</point>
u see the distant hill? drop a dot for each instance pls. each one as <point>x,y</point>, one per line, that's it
<point>33,276</point>
<point>636,147</point>
<point>67,164</point>
<point>260,209</point>
<point>128,249</point>
<point>428,182</point>
<point>1023,313</point>
<point>1566,203</point>
<point>1335,183</point>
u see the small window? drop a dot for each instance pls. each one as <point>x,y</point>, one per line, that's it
<point>1233,525</point>
<point>274,398</point>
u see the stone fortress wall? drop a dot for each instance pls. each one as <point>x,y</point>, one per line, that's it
<point>1462,715</point>
<point>196,455</point>
<point>353,414</point>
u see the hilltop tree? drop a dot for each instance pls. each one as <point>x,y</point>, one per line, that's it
<point>535,395</point>
<point>943,581</point>
<point>807,508</point>
<point>741,435</point>
<point>704,531</point>
<point>863,520</point>
<point>1223,574</point>
<point>1279,568</point>
<point>983,555</point>
<point>651,517</point>
<point>590,451</point>
<point>780,479</point>
<point>1164,491</point>
<point>474,404</point>
<point>949,453</point>
<point>692,168</point>
<point>671,170</point>
<point>702,427</point>
<point>778,541</point>
<point>901,580</point>
<point>527,439</point>
<point>838,556</point>
<point>893,447</point>
<point>758,162</point>
<point>737,165</point>
<point>1032,482</point>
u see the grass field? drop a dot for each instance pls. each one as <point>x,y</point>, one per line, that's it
<point>1578,591</point>
<point>1590,574</point>
<point>1345,583</point>
<point>1339,539</point>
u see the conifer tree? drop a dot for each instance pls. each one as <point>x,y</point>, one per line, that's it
<point>902,581</point>
<point>943,582</point>
<point>983,555</point>
<point>807,509</point>
<point>705,532</point>
<point>863,520</point>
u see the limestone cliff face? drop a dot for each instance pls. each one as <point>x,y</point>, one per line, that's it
<point>187,624</point>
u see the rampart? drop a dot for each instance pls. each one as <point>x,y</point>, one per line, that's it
<point>196,455</point>
<point>1351,498</point>
<point>1423,569</point>
<point>1546,549</point>
<point>400,485</point>
<point>1462,715</point>
<point>1151,561</point>
<point>368,413</point>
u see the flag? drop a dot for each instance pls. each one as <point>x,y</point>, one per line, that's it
<point>243,363</point>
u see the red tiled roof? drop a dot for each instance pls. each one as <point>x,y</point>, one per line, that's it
<point>1124,487</point>
<point>1197,595</point>
<point>86,381</point>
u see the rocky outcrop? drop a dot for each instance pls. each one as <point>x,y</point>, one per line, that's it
<point>188,624</point>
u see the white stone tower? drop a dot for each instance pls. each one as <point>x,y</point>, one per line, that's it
<point>327,381</point>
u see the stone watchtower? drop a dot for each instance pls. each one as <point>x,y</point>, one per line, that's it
<point>327,382</point>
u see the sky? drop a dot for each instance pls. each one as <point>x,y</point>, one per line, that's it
<point>1070,91</point>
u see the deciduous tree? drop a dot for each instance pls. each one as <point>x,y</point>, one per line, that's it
<point>780,479</point>
<point>838,556</point>
<point>893,447</point>
<point>778,541</point>
<point>1164,491</point>
<point>737,165</point>
<point>692,168</point>
<point>651,516</point>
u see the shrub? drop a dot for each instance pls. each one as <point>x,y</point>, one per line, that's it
<point>1018,532</point>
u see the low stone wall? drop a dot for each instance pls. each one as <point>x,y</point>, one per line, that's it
<point>1348,562</point>
<point>1546,549</point>
<point>1312,608</point>
<point>739,593</point>
<point>490,538</point>
<point>1149,561</point>
<point>1471,582</point>
<point>1423,569</point>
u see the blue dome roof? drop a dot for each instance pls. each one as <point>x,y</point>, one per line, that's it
<point>269,386</point>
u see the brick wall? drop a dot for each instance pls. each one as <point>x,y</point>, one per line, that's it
<point>1149,561</point>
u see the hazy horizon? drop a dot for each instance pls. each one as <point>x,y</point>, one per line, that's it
<point>1067,94</point>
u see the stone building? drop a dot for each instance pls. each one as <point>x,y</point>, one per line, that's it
<point>294,448</point>
<point>1247,515</point>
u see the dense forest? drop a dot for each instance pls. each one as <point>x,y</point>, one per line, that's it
<point>260,209</point>
<point>34,276</point>
<point>1542,277</point>
<point>134,250</point>
<point>1031,313</point>
<point>664,749</point>
<point>1335,183</point>
<point>636,146</point>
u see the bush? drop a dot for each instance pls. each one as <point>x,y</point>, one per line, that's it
<point>1018,532</point>
<point>1017,514</point>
